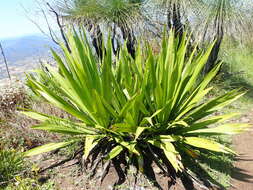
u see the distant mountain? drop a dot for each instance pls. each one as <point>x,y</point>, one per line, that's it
<point>23,54</point>
<point>20,48</point>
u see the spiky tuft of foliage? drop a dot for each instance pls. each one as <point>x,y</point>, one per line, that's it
<point>135,111</point>
<point>106,11</point>
<point>11,165</point>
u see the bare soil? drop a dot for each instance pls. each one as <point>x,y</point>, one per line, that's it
<point>242,176</point>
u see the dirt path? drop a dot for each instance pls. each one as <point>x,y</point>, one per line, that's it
<point>243,172</point>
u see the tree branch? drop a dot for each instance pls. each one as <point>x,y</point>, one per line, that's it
<point>5,61</point>
<point>60,26</point>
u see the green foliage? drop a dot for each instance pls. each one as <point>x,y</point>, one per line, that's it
<point>237,71</point>
<point>138,109</point>
<point>29,184</point>
<point>239,64</point>
<point>212,166</point>
<point>108,11</point>
<point>11,165</point>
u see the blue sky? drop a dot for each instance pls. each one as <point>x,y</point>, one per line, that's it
<point>13,20</point>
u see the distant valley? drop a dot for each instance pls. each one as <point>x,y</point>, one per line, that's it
<point>23,53</point>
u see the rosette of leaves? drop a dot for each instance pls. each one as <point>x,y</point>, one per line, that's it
<point>140,111</point>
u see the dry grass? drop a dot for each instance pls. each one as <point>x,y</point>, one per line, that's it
<point>11,97</point>
<point>15,128</point>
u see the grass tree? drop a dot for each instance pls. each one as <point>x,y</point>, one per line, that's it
<point>134,111</point>
<point>113,14</point>
<point>210,20</point>
<point>225,17</point>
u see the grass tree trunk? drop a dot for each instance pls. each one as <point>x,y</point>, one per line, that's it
<point>129,38</point>
<point>96,37</point>
<point>115,41</point>
<point>213,57</point>
<point>174,18</point>
<point>219,28</point>
<point>178,26</point>
<point>97,41</point>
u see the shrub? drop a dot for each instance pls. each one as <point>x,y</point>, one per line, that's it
<point>11,164</point>
<point>135,111</point>
<point>11,97</point>
<point>29,184</point>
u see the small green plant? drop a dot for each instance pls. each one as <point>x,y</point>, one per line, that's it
<point>11,165</point>
<point>135,111</point>
<point>29,184</point>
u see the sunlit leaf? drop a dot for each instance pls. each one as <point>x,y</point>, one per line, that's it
<point>47,148</point>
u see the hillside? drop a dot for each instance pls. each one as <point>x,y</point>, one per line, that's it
<point>24,53</point>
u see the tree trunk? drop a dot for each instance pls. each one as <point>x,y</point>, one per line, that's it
<point>129,37</point>
<point>219,28</point>
<point>97,42</point>
<point>5,61</point>
<point>213,57</point>
<point>174,19</point>
<point>115,47</point>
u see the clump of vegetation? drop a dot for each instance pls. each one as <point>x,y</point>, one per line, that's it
<point>135,111</point>
<point>29,184</point>
<point>12,97</point>
<point>239,66</point>
<point>11,165</point>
